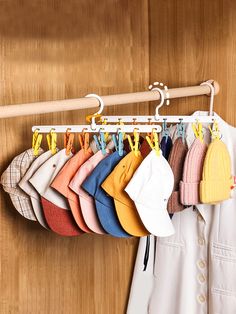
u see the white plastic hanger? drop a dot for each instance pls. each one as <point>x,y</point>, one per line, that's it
<point>152,121</point>
<point>96,128</point>
<point>168,119</point>
<point>211,113</point>
<point>98,113</point>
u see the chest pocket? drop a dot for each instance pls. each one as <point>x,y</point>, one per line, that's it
<point>169,248</point>
<point>222,279</point>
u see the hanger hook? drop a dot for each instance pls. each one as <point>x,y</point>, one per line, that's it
<point>98,113</point>
<point>212,94</point>
<point>162,97</point>
<point>101,102</point>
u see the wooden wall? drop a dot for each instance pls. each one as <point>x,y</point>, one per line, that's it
<point>56,49</point>
<point>192,41</point>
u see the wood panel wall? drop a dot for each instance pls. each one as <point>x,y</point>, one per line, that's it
<point>56,49</point>
<point>190,42</point>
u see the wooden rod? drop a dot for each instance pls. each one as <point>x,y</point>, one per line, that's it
<point>110,100</point>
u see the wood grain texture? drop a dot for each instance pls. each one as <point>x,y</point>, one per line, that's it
<point>190,42</point>
<point>57,49</point>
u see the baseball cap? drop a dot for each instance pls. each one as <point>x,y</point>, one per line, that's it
<point>109,145</point>
<point>61,221</point>
<point>62,181</point>
<point>55,206</point>
<point>145,148</point>
<point>27,187</point>
<point>87,202</point>
<point>150,188</point>
<point>114,185</point>
<point>165,146</point>
<point>13,175</point>
<point>105,206</point>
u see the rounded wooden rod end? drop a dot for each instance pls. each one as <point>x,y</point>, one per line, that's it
<point>216,86</point>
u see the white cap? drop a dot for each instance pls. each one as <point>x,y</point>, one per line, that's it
<point>44,176</point>
<point>150,189</point>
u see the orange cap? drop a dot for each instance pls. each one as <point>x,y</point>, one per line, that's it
<point>115,184</point>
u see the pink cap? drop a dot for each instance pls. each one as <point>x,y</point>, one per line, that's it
<point>87,202</point>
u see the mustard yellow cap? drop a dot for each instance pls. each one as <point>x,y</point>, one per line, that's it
<point>115,184</point>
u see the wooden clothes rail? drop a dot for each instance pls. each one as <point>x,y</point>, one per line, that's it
<point>110,100</point>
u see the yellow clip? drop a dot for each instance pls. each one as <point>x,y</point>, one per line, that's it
<point>95,116</point>
<point>136,142</point>
<point>150,134</point>
<point>36,142</point>
<point>134,147</point>
<point>34,138</point>
<point>154,142</point>
<point>198,132</point>
<point>52,141</point>
<point>215,132</point>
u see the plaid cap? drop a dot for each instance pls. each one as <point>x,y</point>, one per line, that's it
<point>13,175</point>
<point>28,188</point>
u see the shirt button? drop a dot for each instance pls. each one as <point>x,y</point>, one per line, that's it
<point>201,264</point>
<point>201,298</point>
<point>201,278</point>
<point>201,241</point>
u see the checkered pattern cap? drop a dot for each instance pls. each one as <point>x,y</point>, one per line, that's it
<point>12,176</point>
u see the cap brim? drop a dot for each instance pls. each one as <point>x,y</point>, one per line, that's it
<point>157,221</point>
<point>90,215</point>
<point>77,214</point>
<point>38,211</point>
<point>60,220</point>
<point>23,206</point>
<point>130,220</point>
<point>109,220</point>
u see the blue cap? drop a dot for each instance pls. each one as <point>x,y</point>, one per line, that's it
<point>104,203</point>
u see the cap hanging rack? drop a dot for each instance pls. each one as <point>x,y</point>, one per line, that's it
<point>142,128</point>
<point>93,127</point>
<point>165,95</point>
<point>124,128</point>
<point>110,100</point>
